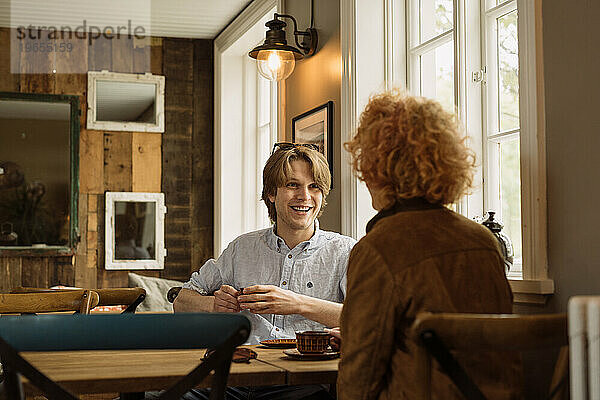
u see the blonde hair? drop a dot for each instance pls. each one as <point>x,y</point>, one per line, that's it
<point>278,169</point>
<point>408,146</point>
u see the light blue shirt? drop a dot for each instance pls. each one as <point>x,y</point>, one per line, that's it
<point>316,268</point>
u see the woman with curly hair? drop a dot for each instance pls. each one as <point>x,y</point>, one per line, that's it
<point>418,255</point>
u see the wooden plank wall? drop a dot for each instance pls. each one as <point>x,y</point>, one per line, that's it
<point>178,68</point>
<point>178,162</point>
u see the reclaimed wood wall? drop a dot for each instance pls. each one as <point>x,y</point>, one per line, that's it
<point>178,162</point>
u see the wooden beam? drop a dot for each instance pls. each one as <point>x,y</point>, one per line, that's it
<point>117,161</point>
<point>91,162</point>
<point>146,162</point>
<point>122,54</point>
<point>71,66</point>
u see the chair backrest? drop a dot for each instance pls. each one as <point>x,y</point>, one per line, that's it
<point>173,293</point>
<point>584,346</point>
<point>222,332</point>
<point>80,301</point>
<point>130,297</point>
<point>438,334</point>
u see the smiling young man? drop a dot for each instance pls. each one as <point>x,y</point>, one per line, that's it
<point>293,274</point>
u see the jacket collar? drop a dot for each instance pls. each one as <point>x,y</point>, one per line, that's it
<point>401,205</point>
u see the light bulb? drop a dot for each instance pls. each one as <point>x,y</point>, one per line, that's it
<point>275,65</point>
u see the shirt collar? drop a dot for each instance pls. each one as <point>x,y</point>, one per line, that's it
<point>276,243</point>
<point>401,205</point>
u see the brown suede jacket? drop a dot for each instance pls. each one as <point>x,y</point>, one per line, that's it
<point>419,257</point>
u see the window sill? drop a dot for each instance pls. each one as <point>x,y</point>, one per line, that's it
<point>531,291</point>
<point>30,251</point>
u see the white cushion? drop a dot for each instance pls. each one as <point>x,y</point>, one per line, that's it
<point>156,292</point>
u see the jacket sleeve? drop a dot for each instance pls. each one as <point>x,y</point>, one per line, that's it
<point>367,326</point>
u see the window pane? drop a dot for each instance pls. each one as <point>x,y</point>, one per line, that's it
<point>135,230</point>
<point>264,148</point>
<point>264,101</point>
<point>437,75</point>
<point>508,72</point>
<point>510,192</point>
<point>435,18</point>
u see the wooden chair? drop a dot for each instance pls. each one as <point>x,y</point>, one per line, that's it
<point>220,332</point>
<point>79,301</point>
<point>438,334</point>
<point>130,297</point>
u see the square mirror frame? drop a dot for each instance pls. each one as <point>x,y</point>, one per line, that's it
<point>158,262</point>
<point>148,78</point>
<point>69,248</point>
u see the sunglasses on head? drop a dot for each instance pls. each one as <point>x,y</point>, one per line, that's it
<point>288,146</point>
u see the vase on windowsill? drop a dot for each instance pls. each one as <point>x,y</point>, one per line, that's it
<point>504,241</point>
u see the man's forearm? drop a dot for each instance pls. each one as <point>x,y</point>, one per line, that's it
<point>322,311</point>
<point>191,301</point>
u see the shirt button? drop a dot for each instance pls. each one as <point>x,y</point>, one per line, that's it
<point>289,256</point>
<point>284,283</point>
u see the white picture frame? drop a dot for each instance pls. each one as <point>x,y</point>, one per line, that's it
<point>147,250</point>
<point>123,98</point>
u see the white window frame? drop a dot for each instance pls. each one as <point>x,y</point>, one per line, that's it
<point>236,143</point>
<point>95,77</point>
<point>160,252</point>
<point>535,284</point>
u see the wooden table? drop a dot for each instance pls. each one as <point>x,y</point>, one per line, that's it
<point>300,372</point>
<point>144,370</point>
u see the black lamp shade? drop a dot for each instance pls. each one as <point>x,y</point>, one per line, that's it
<point>275,40</point>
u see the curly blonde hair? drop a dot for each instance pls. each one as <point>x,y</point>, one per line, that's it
<point>408,146</point>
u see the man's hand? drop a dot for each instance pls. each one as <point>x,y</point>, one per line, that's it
<point>269,299</point>
<point>226,300</point>
<point>336,338</point>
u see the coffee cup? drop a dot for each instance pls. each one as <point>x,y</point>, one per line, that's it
<point>312,342</point>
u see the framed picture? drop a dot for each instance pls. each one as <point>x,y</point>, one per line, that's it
<point>316,126</point>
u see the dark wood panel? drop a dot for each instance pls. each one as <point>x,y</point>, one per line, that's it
<point>34,271</point>
<point>202,155</point>
<point>61,271</point>
<point>177,159</point>
<point>178,62</point>
<point>9,82</point>
<point>179,122</point>
<point>100,206</point>
<point>112,279</point>
<point>10,273</point>
<point>176,88</point>
<point>149,272</point>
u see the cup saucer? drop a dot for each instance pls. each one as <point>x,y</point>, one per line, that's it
<point>296,355</point>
